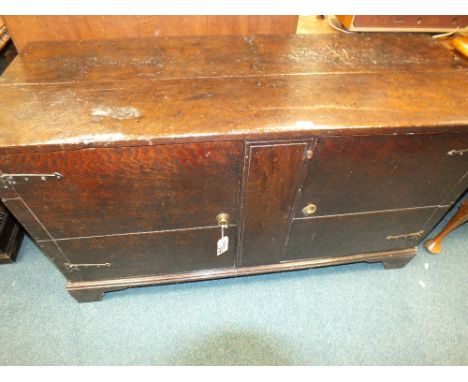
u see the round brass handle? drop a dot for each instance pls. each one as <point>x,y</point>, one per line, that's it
<point>223,219</point>
<point>309,210</point>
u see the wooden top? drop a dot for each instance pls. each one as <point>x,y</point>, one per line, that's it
<point>227,56</point>
<point>145,91</point>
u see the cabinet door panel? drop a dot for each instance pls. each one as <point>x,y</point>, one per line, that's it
<point>273,173</point>
<point>131,189</point>
<point>372,173</point>
<point>358,233</point>
<point>149,254</point>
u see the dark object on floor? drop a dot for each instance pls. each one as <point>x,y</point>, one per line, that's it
<point>303,151</point>
<point>434,246</point>
<point>11,235</point>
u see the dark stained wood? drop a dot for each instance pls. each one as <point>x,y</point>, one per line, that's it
<point>272,175</point>
<point>434,245</point>
<point>88,295</point>
<point>373,173</point>
<point>397,263</point>
<point>94,290</point>
<point>130,189</point>
<point>151,138</point>
<point>25,29</point>
<point>130,93</point>
<point>55,254</point>
<point>330,236</point>
<point>24,215</point>
<point>207,57</point>
<point>291,106</point>
<point>120,256</point>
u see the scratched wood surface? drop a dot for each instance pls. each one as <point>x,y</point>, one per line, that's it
<point>226,56</point>
<point>227,88</point>
<point>54,117</point>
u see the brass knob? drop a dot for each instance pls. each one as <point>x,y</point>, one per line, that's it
<point>223,219</point>
<point>309,210</point>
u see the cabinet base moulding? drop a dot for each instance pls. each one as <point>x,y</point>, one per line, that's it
<point>89,291</point>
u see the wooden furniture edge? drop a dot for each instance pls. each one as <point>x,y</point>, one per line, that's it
<point>88,291</point>
<point>326,132</point>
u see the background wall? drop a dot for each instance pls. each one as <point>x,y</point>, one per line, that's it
<point>41,28</point>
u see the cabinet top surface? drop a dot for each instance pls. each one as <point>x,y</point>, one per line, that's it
<point>104,93</point>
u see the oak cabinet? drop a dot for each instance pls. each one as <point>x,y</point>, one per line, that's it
<point>299,158</point>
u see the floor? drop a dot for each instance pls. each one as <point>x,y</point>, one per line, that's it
<point>347,315</point>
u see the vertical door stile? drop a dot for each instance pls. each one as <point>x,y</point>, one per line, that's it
<point>273,173</point>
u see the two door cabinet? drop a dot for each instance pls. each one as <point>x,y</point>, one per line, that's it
<point>143,162</point>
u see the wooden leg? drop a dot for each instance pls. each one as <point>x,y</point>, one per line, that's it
<point>434,245</point>
<point>87,295</point>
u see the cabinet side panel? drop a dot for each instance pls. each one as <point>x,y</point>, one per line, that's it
<point>272,176</point>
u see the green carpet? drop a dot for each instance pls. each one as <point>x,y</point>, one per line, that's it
<point>356,314</point>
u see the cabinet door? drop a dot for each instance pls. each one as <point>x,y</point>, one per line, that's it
<point>131,189</point>
<point>375,173</point>
<point>376,193</point>
<point>273,173</point>
<point>349,234</point>
<point>137,208</point>
<point>146,254</point>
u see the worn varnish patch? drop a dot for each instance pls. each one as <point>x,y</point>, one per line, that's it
<point>227,56</point>
<point>115,112</point>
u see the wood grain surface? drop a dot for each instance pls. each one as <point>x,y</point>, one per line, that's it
<point>130,189</point>
<point>394,172</point>
<point>358,233</point>
<point>88,291</point>
<point>116,93</point>
<point>272,176</point>
<point>225,109</point>
<point>25,29</point>
<point>147,254</point>
<point>227,56</point>
<point>154,138</point>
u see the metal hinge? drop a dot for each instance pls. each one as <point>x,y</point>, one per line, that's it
<point>457,152</point>
<point>414,235</point>
<point>76,267</point>
<point>9,180</point>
